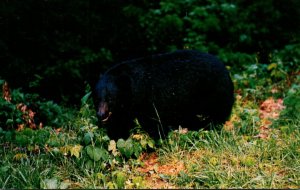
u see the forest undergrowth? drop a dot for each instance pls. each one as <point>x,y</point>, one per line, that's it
<point>46,145</point>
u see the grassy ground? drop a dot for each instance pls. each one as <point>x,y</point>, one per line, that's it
<point>259,147</point>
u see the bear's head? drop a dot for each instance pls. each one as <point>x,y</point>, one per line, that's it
<point>113,96</point>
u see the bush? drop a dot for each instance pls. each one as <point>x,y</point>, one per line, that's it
<point>20,110</point>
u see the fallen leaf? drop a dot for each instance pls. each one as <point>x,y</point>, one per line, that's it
<point>6,92</point>
<point>271,108</point>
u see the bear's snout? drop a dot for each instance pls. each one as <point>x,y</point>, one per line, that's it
<point>103,112</point>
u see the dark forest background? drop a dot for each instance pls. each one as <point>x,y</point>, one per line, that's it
<point>56,47</point>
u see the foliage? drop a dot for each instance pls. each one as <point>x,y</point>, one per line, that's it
<point>98,143</point>
<point>53,49</point>
<point>292,102</point>
<point>246,153</point>
<point>28,110</point>
<point>71,43</point>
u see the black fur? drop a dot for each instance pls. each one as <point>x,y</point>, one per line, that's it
<point>186,88</point>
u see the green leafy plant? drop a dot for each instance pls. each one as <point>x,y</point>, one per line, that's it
<point>292,102</point>
<point>29,110</point>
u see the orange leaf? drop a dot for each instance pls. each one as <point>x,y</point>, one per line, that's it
<point>6,92</point>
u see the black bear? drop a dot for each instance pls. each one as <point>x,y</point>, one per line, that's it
<point>184,88</point>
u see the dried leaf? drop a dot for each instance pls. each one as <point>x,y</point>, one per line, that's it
<point>6,92</point>
<point>113,147</point>
<point>271,108</point>
<point>75,150</point>
<point>262,136</point>
<point>20,156</point>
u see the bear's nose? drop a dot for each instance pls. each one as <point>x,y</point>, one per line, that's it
<point>103,111</point>
<point>101,114</point>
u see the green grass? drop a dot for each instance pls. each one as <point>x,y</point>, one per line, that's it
<point>228,160</point>
<point>212,159</point>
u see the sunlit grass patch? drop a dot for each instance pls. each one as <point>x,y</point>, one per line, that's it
<point>247,163</point>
